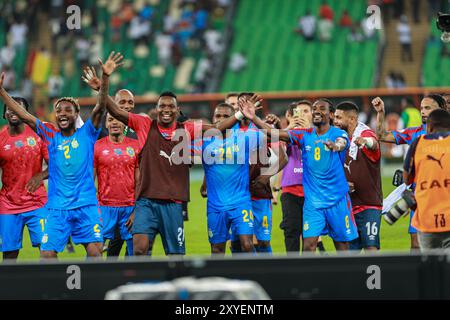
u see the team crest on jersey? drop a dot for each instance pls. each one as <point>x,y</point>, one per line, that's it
<point>31,141</point>
<point>130,151</point>
<point>75,144</point>
<point>118,152</point>
<point>45,238</point>
<point>18,144</point>
<point>306,226</point>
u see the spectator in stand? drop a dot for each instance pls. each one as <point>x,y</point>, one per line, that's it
<point>164,44</point>
<point>116,24</point>
<point>10,79</point>
<point>127,12</point>
<point>7,54</point>
<point>139,30</point>
<point>146,12</point>
<point>18,33</point>
<point>307,26</point>
<point>82,47</point>
<point>326,12</point>
<point>389,81</point>
<point>202,73</point>
<point>200,22</point>
<point>325,29</point>
<point>213,39</point>
<point>400,80</point>
<point>367,30</point>
<point>169,22</point>
<point>346,20</point>
<point>238,61</point>
<point>55,85</point>
<point>355,34</point>
<point>404,37</point>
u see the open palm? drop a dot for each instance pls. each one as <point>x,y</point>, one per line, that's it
<point>91,78</point>
<point>113,62</point>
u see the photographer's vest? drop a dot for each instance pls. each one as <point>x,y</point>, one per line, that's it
<point>432,178</point>
<point>160,178</point>
<point>366,176</point>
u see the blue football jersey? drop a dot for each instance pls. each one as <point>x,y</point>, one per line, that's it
<point>324,178</point>
<point>226,164</point>
<point>408,135</point>
<point>71,166</point>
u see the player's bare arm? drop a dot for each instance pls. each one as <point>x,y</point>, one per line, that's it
<point>113,62</point>
<point>337,145</point>
<point>12,105</point>
<point>93,81</point>
<point>247,108</point>
<point>368,142</point>
<point>382,133</point>
<point>36,180</point>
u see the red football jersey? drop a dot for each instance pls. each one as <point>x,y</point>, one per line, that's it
<point>115,164</point>
<point>20,159</point>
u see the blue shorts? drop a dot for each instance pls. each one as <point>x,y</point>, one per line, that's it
<point>154,216</point>
<point>239,221</point>
<point>411,229</point>
<point>84,224</point>
<point>11,228</point>
<point>336,220</point>
<point>113,217</point>
<point>262,212</point>
<point>368,223</point>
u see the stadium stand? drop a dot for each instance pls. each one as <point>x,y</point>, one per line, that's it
<point>337,64</point>
<point>436,62</point>
<point>143,73</point>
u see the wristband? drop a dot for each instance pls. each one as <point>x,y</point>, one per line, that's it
<point>369,142</point>
<point>238,115</point>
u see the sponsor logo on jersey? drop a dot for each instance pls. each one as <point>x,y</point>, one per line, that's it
<point>31,141</point>
<point>130,151</point>
<point>7,147</point>
<point>75,143</point>
<point>105,152</point>
<point>308,148</point>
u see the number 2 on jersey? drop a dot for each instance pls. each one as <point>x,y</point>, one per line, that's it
<point>66,152</point>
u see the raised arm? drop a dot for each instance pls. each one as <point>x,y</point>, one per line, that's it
<point>12,105</point>
<point>248,108</point>
<point>382,133</point>
<point>94,82</point>
<point>108,68</point>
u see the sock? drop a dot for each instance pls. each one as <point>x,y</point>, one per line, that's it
<point>320,246</point>
<point>129,247</point>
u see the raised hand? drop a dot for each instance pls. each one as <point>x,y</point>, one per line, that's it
<point>273,120</point>
<point>90,77</point>
<point>113,62</point>
<point>247,107</point>
<point>378,105</point>
<point>256,100</point>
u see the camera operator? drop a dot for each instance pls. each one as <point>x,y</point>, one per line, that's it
<point>427,164</point>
